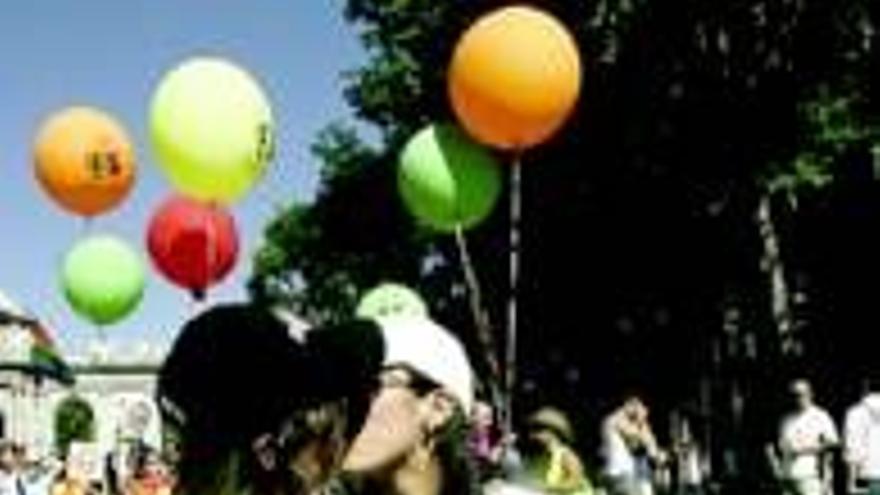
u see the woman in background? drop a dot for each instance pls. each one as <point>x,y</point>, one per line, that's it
<point>415,438</point>
<point>149,475</point>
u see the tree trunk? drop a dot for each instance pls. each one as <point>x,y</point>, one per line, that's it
<point>772,264</point>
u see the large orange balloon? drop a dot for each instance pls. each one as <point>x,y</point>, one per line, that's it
<point>84,160</point>
<point>515,77</point>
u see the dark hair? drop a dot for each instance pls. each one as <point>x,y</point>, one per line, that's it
<point>871,382</point>
<point>142,455</point>
<point>460,474</point>
<point>203,470</point>
<point>7,446</point>
<point>457,462</point>
<point>532,448</point>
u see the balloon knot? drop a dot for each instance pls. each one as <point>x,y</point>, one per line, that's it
<point>198,294</point>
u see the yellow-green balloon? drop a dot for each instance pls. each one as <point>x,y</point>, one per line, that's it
<point>212,129</point>
<point>103,279</point>
<point>447,180</point>
<point>390,299</point>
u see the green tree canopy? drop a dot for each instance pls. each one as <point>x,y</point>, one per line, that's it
<point>74,421</point>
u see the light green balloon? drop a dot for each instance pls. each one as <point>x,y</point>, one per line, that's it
<point>212,130</point>
<point>103,279</point>
<point>447,180</point>
<point>391,299</point>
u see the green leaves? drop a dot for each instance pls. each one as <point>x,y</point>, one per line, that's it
<point>830,126</point>
<point>74,421</point>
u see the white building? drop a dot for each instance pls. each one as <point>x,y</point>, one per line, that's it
<point>118,384</point>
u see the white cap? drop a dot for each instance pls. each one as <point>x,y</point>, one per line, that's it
<point>430,349</point>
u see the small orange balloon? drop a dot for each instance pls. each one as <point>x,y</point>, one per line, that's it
<point>84,160</point>
<point>515,77</point>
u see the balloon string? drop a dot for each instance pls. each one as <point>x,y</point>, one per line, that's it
<point>103,343</point>
<point>209,251</point>
<point>88,224</point>
<point>512,308</point>
<point>481,317</point>
<point>200,294</point>
<point>196,301</point>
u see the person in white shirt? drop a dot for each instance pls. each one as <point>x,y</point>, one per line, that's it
<point>862,442</point>
<point>630,449</point>
<point>691,460</point>
<point>807,437</point>
<point>10,479</point>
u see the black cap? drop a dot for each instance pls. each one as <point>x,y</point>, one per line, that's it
<point>236,372</point>
<point>344,358</point>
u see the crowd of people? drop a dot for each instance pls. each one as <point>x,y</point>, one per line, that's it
<point>252,405</point>
<point>809,441</point>
<point>143,471</point>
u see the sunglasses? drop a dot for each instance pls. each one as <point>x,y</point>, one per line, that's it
<point>401,376</point>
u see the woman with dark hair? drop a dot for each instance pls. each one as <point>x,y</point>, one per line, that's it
<point>550,463</point>
<point>250,409</point>
<point>415,438</point>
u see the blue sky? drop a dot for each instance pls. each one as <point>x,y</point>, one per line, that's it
<point>110,54</point>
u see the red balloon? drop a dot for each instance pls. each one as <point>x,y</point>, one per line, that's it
<point>193,244</point>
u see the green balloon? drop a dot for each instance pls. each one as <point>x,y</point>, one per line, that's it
<point>212,129</point>
<point>103,279</point>
<point>390,299</point>
<point>447,180</point>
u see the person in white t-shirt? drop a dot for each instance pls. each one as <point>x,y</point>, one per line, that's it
<point>691,459</point>
<point>862,442</point>
<point>807,437</point>
<point>10,478</point>
<point>630,449</point>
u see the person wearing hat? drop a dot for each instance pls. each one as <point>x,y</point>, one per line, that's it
<point>414,440</point>
<point>252,409</point>
<point>563,471</point>
<point>551,464</point>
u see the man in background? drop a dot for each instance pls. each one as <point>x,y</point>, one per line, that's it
<point>10,476</point>
<point>862,442</point>
<point>807,437</point>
